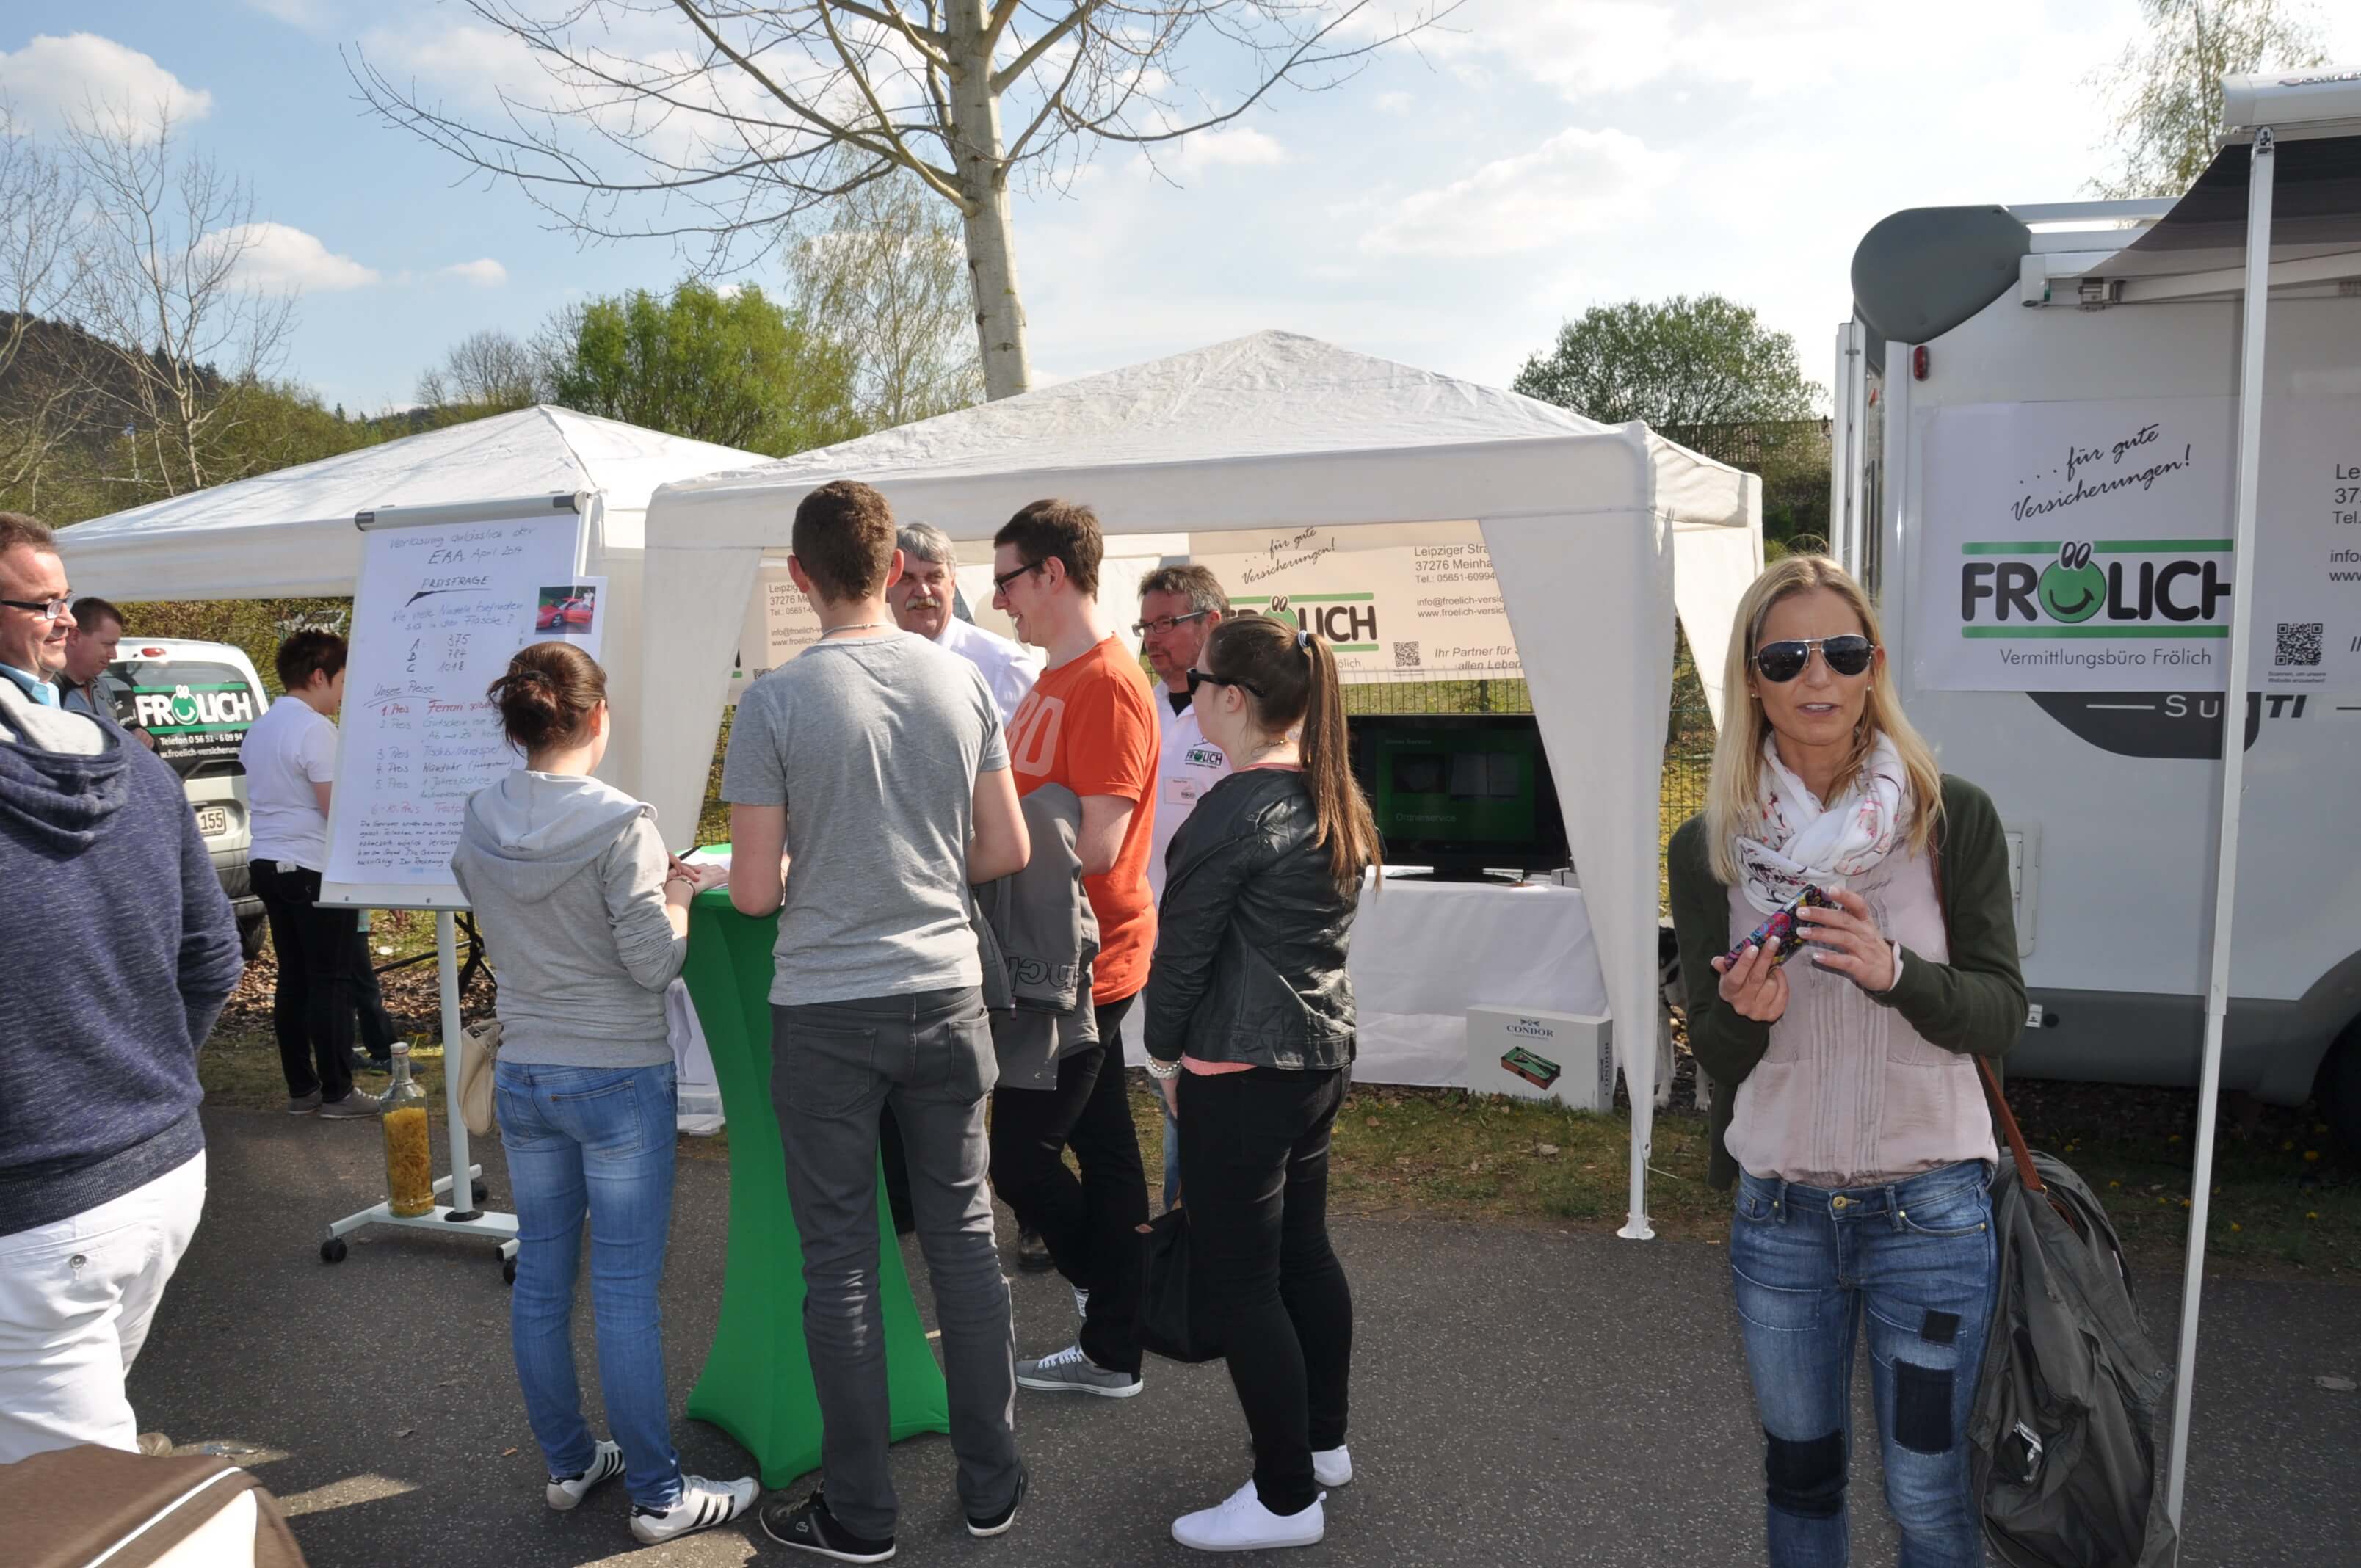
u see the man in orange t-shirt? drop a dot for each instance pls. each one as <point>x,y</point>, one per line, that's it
<point>1086,724</point>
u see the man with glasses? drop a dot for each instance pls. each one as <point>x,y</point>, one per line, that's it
<point>102,1157</point>
<point>1179,608</point>
<point>1087,725</point>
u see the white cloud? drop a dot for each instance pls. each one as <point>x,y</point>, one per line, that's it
<point>273,256</point>
<point>483,272</point>
<point>1394,103</point>
<point>1577,182</point>
<point>52,80</point>
<point>1234,146</point>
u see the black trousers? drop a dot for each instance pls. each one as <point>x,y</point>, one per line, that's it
<point>1090,1225</point>
<point>325,984</point>
<point>1254,1175</point>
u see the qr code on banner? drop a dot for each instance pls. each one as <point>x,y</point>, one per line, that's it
<point>1406,654</point>
<point>2299,643</point>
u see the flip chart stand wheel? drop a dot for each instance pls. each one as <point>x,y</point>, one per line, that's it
<point>445,1220</point>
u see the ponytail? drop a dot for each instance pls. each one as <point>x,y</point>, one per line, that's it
<point>1291,678</point>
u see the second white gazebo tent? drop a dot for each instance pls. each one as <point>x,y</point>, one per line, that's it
<point>1583,524</point>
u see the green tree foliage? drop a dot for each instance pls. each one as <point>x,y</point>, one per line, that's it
<point>2168,85</point>
<point>737,368</point>
<point>1707,373</point>
<point>1678,363</point>
<point>886,281</point>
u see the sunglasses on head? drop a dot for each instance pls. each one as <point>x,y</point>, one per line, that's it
<point>1200,678</point>
<point>1783,662</point>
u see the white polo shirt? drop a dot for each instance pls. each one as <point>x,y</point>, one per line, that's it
<point>1009,668</point>
<point>1187,765</point>
<point>285,752</point>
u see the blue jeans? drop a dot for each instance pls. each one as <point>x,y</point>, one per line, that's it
<point>594,1140</point>
<point>1918,1257</point>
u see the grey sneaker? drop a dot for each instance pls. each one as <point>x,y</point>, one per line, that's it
<point>303,1104</point>
<point>360,1102</point>
<point>1071,1372</point>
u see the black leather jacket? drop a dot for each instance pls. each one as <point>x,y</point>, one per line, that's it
<point>1250,939</point>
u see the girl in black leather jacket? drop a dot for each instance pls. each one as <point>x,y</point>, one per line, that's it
<point>1249,1025</point>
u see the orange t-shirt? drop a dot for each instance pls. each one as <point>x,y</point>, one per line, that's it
<point>1087,725</point>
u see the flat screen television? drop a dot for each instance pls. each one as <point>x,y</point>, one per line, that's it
<point>1462,793</point>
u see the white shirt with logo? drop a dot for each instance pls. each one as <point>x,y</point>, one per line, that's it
<point>1187,765</point>
<point>285,752</point>
<point>1009,668</point>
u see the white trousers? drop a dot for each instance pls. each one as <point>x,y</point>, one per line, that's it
<point>76,1297</point>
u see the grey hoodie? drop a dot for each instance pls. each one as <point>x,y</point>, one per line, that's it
<point>566,875</point>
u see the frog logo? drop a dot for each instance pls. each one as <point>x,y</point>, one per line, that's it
<point>2072,588</point>
<point>1278,604</point>
<point>184,706</point>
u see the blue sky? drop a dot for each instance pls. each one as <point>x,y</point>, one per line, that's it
<point>1449,208</point>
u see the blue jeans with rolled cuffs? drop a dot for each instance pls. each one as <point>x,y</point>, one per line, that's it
<point>1914,1260</point>
<point>594,1141</point>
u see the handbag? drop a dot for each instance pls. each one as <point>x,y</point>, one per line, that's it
<point>1173,1322</point>
<point>479,1048</point>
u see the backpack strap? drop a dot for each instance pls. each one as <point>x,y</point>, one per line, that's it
<point>2011,1133</point>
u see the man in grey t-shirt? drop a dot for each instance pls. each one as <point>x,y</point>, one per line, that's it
<point>873,771</point>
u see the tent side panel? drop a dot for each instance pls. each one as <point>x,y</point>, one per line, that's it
<point>300,560</point>
<point>695,601</point>
<point>1713,567</point>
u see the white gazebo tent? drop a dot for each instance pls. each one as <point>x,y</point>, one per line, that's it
<point>1585,525</point>
<point>289,533</point>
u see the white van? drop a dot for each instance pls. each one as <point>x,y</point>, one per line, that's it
<point>196,699</point>
<point>2036,449</point>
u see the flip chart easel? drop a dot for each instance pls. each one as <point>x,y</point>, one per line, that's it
<point>419,737</point>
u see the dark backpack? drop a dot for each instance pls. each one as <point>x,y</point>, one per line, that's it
<point>2063,1436</point>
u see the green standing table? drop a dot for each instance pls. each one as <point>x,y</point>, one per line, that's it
<point>757,1384</point>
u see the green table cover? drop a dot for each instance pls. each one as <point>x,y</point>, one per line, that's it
<point>757,1385</point>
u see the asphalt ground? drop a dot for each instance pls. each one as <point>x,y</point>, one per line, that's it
<point>1521,1396</point>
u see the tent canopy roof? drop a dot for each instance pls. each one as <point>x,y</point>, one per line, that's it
<point>290,531</point>
<point>1272,395</point>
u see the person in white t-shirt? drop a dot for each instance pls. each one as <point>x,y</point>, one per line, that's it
<point>326,980</point>
<point>1179,608</point>
<point>921,602</point>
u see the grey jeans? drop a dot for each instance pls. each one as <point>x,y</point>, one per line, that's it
<point>834,1066</point>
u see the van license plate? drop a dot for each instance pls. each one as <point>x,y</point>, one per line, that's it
<point>213,821</point>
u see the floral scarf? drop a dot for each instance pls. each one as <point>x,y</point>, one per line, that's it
<point>1803,841</point>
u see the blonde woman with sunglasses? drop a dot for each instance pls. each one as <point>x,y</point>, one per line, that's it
<point>1846,1108</point>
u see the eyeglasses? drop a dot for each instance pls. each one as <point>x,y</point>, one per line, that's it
<point>1783,662</point>
<point>1200,678</point>
<point>47,609</point>
<point>1163,624</point>
<point>1000,580</point>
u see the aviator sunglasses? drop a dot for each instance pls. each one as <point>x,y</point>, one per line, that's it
<point>1783,662</point>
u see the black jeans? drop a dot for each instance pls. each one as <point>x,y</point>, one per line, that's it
<point>326,980</point>
<point>1090,1224</point>
<point>1254,1177</point>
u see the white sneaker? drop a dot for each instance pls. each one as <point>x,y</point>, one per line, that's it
<point>1333,1466</point>
<point>1243,1524</point>
<point>703,1504</point>
<point>605,1463</point>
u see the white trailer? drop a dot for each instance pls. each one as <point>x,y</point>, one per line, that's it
<point>2040,414</point>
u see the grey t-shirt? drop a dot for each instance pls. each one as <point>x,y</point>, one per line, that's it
<point>874,745</point>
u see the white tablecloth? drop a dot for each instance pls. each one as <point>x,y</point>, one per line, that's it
<point>1423,952</point>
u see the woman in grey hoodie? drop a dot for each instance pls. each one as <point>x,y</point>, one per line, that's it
<point>586,919</point>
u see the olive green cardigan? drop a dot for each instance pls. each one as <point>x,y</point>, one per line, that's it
<point>1973,1004</point>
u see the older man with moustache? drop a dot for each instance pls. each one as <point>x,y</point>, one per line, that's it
<point>921,602</point>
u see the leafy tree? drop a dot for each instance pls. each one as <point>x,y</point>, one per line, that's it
<point>1707,373</point>
<point>1680,365</point>
<point>737,368</point>
<point>724,117</point>
<point>2168,85</point>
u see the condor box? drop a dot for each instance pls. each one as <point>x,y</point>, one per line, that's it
<point>1565,1057</point>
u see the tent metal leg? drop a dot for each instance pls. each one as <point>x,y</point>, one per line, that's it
<point>2233,773</point>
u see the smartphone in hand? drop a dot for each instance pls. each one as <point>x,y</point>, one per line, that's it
<point>1782,934</point>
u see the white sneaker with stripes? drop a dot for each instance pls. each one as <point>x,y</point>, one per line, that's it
<point>703,1504</point>
<point>605,1463</point>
